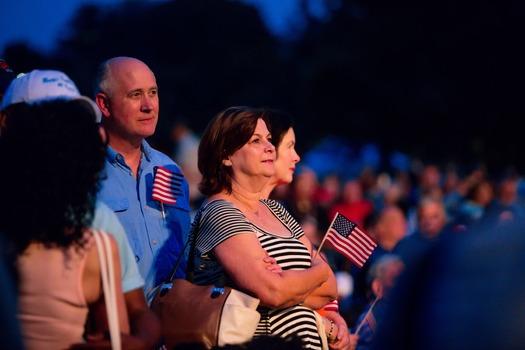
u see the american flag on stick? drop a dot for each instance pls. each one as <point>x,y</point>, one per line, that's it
<point>166,185</point>
<point>350,240</point>
<point>369,318</point>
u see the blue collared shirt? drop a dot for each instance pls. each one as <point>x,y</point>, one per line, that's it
<point>156,240</point>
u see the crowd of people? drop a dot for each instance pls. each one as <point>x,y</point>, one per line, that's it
<point>258,216</point>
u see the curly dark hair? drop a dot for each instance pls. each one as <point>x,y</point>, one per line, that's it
<point>227,132</point>
<point>51,157</point>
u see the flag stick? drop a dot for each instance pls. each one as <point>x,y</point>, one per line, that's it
<point>366,316</point>
<point>162,207</point>
<point>324,238</point>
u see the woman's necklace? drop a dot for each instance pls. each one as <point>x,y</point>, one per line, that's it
<point>256,212</point>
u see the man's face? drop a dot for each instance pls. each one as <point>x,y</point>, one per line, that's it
<point>432,219</point>
<point>133,101</point>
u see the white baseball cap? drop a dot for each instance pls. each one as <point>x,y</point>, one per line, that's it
<point>44,85</point>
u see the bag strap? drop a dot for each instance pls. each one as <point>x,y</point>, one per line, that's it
<point>192,241</point>
<point>179,260</point>
<point>190,262</point>
<point>107,273</point>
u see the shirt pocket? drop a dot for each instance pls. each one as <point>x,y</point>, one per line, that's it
<point>120,206</point>
<point>117,205</point>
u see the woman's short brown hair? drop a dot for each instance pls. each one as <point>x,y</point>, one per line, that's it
<point>227,132</point>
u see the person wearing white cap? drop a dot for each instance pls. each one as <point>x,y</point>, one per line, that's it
<point>47,204</point>
<point>46,85</point>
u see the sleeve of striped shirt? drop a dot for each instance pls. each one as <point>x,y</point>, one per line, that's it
<point>219,221</point>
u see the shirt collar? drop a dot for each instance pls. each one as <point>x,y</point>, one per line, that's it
<point>114,156</point>
<point>147,150</point>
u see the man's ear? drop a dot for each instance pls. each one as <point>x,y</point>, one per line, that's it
<point>103,103</point>
<point>377,288</point>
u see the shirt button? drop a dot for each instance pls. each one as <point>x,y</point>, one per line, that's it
<point>154,242</point>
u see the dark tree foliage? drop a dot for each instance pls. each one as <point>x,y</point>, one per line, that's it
<point>438,80</point>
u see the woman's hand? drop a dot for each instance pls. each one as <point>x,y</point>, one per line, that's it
<point>272,264</point>
<point>341,339</point>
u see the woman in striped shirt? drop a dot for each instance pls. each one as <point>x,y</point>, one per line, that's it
<point>236,230</point>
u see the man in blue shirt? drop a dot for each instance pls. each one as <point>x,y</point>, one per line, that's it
<point>127,94</point>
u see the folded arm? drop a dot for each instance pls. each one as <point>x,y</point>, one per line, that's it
<point>243,258</point>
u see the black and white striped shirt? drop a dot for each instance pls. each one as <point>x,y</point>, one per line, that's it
<point>219,220</point>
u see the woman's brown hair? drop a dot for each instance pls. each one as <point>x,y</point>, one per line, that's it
<point>227,132</point>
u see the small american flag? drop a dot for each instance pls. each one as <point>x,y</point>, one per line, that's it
<point>369,322</point>
<point>166,185</point>
<point>350,240</point>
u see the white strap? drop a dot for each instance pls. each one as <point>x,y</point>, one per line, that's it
<point>107,273</point>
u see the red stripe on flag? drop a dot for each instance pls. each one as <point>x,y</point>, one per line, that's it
<point>332,306</point>
<point>166,186</point>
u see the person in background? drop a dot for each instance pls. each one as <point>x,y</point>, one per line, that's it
<point>126,92</point>
<point>236,159</point>
<point>506,206</point>
<point>58,267</point>
<point>352,203</point>
<point>300,202</point>
<point>6,76</point>
<point>433,225</point>
<point>381,279</point>
<point>388,227</point>
<point>428,184</point>
<point>186,144</point>
<point>286,158</point>
<point>48,85</point>
<point>11,337</point>
<point>473,206</point>
<point>328,190</point>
